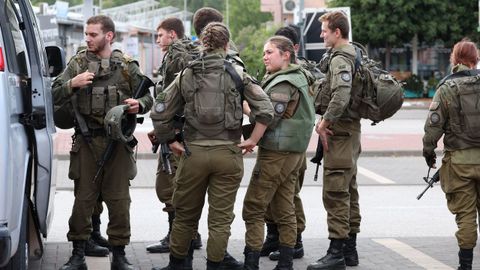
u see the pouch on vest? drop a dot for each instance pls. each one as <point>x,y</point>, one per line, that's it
<point>469,95</point>
<point>98,101</point>
<point>85,100</point>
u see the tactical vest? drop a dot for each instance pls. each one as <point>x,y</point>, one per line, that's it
<point>464,111</point>
<point>292,134</point>
<point>110,86</point>
<point>213,105</point>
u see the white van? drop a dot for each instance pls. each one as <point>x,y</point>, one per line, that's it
<point>26,128</point>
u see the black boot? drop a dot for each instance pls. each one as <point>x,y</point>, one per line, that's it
<point>285,261</point>
<point>229,263</point>
<point>297,250</point>
<point>334,259</point>
<point>350,250</point>
<point>164,245</point>
<point>197,242</point>
<point>174,264</point>
<point>252,259</point>
<point>188,262</point>
<point>77,260</point>
<point>213,265</point>
<point>465,257</point>
<point>95,235</point>
<point>94,250</point>
<point>271,240</point>
<point>119,261</point>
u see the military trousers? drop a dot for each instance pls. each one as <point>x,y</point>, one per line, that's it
<point>112,185</point>
<point>164,183</point>
<point>297,200</point>
<point>272,183</point>
<point>461,184</point>
<point>340,189</point>
<point>213,170</point>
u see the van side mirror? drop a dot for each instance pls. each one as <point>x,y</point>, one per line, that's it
<point>56,60</point>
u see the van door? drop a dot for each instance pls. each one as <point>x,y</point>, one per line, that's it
<point>41,119</point>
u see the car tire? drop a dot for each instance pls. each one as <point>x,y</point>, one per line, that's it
<point>20,260</point>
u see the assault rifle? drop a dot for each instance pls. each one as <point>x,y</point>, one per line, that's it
<point>430,181</point>
<point>178,122</point>
<point>318,157</point>
<point>141,91</point>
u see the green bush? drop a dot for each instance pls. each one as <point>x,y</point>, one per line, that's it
<point>415,84</point>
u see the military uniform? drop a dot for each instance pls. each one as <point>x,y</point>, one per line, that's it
<point>212,130</point>
<point>115,80</point>
<point>280,156</point>
<point>453,114</point>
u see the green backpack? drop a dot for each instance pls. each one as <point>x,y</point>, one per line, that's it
<point>376,94</point>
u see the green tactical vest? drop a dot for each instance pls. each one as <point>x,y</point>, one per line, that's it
<point>213,106</point>
<point>293,134</point>
<point>110,87</point>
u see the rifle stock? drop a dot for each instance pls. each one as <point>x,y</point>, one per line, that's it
<point>318,157</point>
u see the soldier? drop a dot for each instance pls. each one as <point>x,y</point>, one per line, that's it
<point>339,131</point>
<point>270,246</point>
<point>95,80</point>
<point>171,40</point>
<point>453,114</point>
<point>280,155</point>
<point>210,92</point>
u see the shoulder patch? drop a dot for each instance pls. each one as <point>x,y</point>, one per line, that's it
<point>434,118</point>
<point>159,107</point>
<point>345,76</point>
<point>280,108</point>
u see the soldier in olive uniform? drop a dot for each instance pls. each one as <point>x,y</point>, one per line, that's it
<point>270,246</point>
<point>98,79</point>
<point>210,93</point>
<point>280,155</point>
<point>339,130</point>
<point>453,114</point>
<point>171,40</point>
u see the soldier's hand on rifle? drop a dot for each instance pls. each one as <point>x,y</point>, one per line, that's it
<point>152,137</point>
<point>323,131</point>
<point>134,105</point>
<point>177,148</point>
<point>431,160</point>
<point>82,79</point>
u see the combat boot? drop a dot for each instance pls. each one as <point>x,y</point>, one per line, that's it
<point>334,259</point>
<point>285,261</point>
<point>188,262</point>
<point>77,260</point>
<point>213,265</point>
<point>173,264</point>
<point>94,250</point>
<point>350,250</point>
<point>297,250</point>
<point>119,261</point>
<point>230,263</point>
<point>95,235</point>
<point>271,240</point>
<point>252,259</point>
<point>164,245</point>
<point>465,257</point>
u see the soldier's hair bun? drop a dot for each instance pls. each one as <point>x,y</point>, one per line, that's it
<point>214,36</point>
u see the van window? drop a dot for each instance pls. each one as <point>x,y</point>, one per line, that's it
<point>20,62</point>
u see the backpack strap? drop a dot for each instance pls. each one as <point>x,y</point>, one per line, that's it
<point>236,78</point>
<point>460,74</point>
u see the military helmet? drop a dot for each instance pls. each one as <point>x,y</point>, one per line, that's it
<point>63,116</point>
<point>119,125</point>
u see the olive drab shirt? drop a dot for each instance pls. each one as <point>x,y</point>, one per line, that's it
<point>334,97</point>
<point>454,113</point>
<point>116,79</point>
<point>217,122</point>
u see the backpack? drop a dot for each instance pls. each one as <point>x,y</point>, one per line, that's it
<point>376,94</point>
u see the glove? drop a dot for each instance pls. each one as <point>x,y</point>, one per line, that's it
<point>431,159</point>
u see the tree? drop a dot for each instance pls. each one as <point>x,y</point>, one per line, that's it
<point>250,42</point>
<point>393,23</point>
<point>246,13</point>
